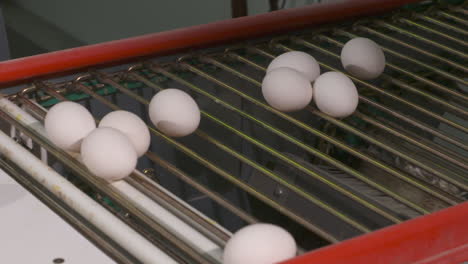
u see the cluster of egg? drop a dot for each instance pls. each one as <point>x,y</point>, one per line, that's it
<point>111,150</point>
<point>293,79</point>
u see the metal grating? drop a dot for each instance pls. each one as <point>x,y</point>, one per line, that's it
<point>402,154</point>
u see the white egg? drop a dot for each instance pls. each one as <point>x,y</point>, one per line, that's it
<point>299,61</point>
<point>174,112</point>
<point>109,154</point>
<point>132,126</point>
<point>259,244</point>
<point>363,58</point>
<point>335,94</point>
<point>67,123</point>
<point>286,89</point>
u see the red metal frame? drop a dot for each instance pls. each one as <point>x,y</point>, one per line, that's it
<point>184,39</point>
<point>438,238</point>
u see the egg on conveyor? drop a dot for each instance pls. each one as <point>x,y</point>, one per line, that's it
<point>67,123</point>
<point>108,154</point>
<point>259,243</point>
<point>299,61</point>
<point>363,58</point>
<point>132,126</point>
<point>286,89</point>
<point>335,94</point>
<point>174,113</point>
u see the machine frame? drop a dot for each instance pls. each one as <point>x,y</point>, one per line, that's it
<point>441,237</point>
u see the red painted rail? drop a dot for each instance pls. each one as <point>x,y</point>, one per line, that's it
<point>439,238</point>
<point>184,39</point>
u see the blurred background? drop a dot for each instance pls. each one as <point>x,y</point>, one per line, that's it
<point>35,27</point>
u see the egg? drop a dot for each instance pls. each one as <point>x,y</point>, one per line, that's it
<point>174,113</point>
<point>67,123</point>
<point>259,244</point>
<point>108,154</point>
<point>286,89</point>
<point>335,94</point>
<point>299,61</point>
<point>132,126</point>
<point>363,58</point>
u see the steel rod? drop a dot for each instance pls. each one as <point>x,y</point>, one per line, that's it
<point>447,105</point>
<point>441,23</point>
<point>433,31</point>
<point>421,38</point>
<point>453,17</point>
<point>378,33</point>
